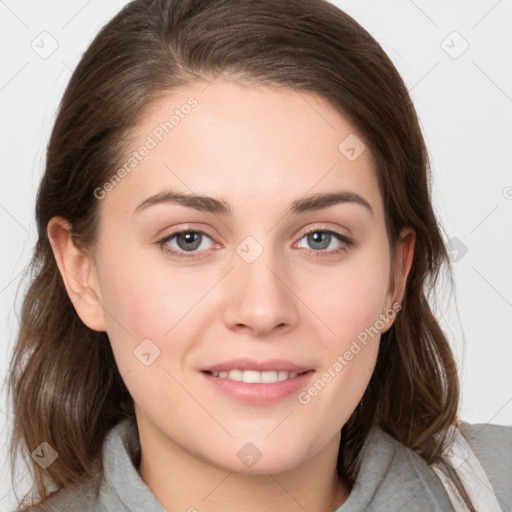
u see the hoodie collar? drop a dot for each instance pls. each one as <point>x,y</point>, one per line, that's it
<point>391,477</point>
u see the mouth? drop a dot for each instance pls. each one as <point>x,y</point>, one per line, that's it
<point>255,376</point>
<point>257,382</point>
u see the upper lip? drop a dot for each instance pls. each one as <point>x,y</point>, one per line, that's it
<point>261,366</point>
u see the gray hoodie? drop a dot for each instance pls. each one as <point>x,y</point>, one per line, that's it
<point>392,477</point>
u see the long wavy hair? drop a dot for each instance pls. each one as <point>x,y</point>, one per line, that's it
<point>64,385</point>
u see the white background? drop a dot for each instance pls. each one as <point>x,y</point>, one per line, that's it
<point>465,108</point>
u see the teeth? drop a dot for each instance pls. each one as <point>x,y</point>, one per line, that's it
<point>253,376</point>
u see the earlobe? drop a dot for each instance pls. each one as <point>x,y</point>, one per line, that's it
<point>78,273</point>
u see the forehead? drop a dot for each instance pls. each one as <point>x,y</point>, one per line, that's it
<point>250,145</point>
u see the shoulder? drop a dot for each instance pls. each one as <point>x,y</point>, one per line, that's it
<point>492,445</point>
<point>488,431</point>
<point>83,497</point>
<point>94,494</point>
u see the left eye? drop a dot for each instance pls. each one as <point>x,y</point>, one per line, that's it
<point>320,239</point>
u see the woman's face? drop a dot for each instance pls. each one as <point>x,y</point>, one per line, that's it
<point>270,271</point>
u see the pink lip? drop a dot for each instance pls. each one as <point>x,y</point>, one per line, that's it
<point>252,364</point>
<point>259,393</point>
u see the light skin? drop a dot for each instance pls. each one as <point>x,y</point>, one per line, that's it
<point>258,149</point>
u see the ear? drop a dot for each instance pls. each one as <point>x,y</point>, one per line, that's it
<point>78,273</point>
<point>404,252</point>
<point>404,256</point>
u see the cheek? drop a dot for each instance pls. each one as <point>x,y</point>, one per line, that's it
<point>351,304</point>
<point>352,298</point>
<point>148,302</point>
<point>148,309</point>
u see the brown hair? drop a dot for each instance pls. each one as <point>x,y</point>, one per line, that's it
<point>64,383</point>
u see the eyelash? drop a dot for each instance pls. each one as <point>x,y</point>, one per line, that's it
<point>348,243</point>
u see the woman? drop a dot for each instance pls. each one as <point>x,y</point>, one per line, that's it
<point>229,308</point>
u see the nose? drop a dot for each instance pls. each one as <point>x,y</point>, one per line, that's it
<point>260,297</point>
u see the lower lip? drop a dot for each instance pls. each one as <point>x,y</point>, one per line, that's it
<point>259,393</point>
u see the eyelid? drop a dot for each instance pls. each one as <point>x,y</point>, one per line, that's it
<point>329,228</point>
<point>175,230</point>
<point>323,227</point>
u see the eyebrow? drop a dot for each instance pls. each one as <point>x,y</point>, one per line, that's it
<point>222,207</point>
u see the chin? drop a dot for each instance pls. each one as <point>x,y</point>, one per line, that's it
<point>254,458</point>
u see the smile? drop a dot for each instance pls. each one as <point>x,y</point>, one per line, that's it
<point>254,376</point>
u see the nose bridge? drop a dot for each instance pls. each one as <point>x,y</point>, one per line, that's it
<point>259,295</point>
